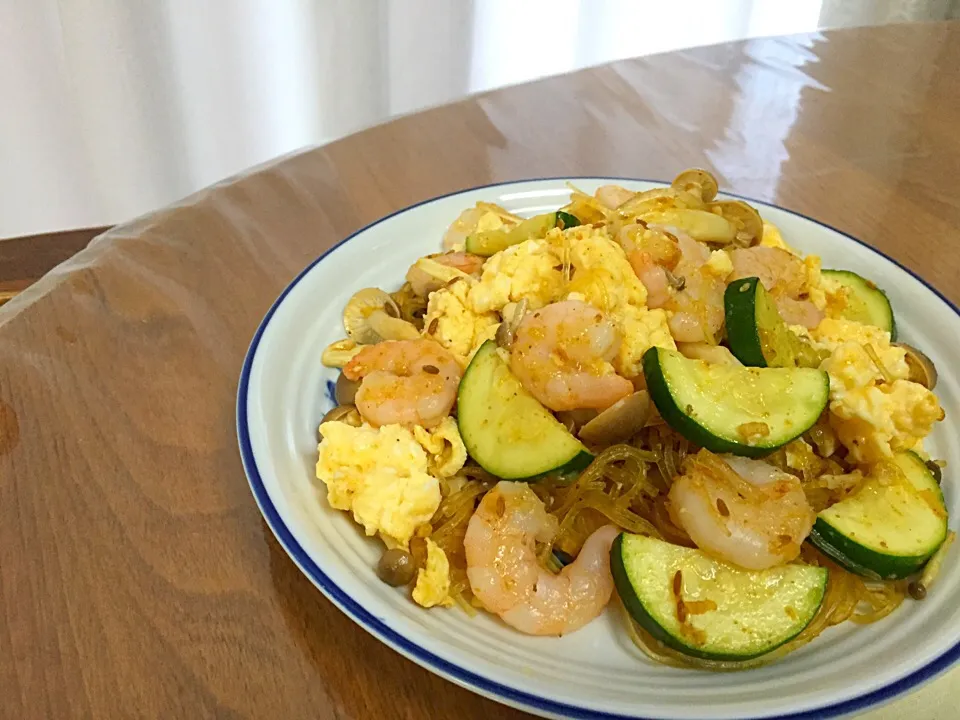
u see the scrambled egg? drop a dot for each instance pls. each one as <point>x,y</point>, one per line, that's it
<point>451,321</point>
<point>444,446</point>
<point>381,476</point>
<point>850,364</point>
<point>528,270</point>
<point>772,238</point>
<point>872,415</point>
<point>873,422</point>
<point>604,278</point>
<point>611,282</point>
<point>719,264</point>
<point>813,286</point>
<point>642,329</point>
<point>489,333</point>
<point>433,581</point>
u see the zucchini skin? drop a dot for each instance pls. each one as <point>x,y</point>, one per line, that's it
<point>638,612</point>
<point>574,466</point>
<point>866,561</point>
<point>688,427</point>
<point>478,400</point>
<point>861,560</point>
<point>569,219</point>
<point>740,310</point>
<point>859,284</point>
<point>490,243</point>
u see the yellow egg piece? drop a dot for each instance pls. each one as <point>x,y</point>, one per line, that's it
<point>433,580</point>
<point>381,476</point>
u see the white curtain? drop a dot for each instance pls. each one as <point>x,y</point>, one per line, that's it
<point>113,107</point>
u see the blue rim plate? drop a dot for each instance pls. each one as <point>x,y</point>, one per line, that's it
<point>906,291</point>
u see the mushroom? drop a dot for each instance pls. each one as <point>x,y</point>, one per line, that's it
<point>662,198</point>
<point>507,330</point>
<point>427,275</point>
<point>504,336</point>
<point>573,420</point>
<point>746,219</point>
<point>619,422</point>
<point>922,369</point>
<point>344,413</point>
<point>345,391</point>
<point>396,567</point>
<point>363,304</point>
<point>391,328</point>
<point>697,181</point>
<point>339,353</point>
<point>713,354</point>
<point>701,225</point>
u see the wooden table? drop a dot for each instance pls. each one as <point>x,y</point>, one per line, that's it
<point>137,578</point>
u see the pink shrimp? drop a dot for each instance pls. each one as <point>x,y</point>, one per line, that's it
<point>678,279</point>
<point>410,382</point>
<point>744,511</point>
<point>561,354</point>
<point>505,576</point>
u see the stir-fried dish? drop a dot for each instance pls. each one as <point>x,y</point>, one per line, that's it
<point>646,399</point>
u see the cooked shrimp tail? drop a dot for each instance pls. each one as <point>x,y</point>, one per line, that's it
<point>507,578</point>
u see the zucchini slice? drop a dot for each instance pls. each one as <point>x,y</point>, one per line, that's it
<point>710,609</point>
<point>506,430</point>
<point>886,529</point>
<point>865,302</point>
<point>731,409</point>
<point>757,334</point>
<point>490,242</point>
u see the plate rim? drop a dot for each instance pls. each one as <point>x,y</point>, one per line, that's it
<point>456,673</point>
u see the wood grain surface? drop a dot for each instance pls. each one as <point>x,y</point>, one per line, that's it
<point>24,260</point>
<point>137,578</point>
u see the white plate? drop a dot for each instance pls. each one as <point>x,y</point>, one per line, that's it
<point>596,672</point>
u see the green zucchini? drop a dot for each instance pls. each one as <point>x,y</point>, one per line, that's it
<point>710,609</point>
<point>490,242</point>
<point>756,333</point>
<point>886,529</point>
<point>506,430</point>
<point>865,302</point>
<point>727,408</point>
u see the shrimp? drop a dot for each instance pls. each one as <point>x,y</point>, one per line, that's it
<point>677,279</point>
<point>799,312</point>
<point>422,282</point>
<point>561,355</point>
<point>784,276</point>
<point>410,382</point>
<point>743,511</point>
<point>504,574</point>
<point>653,255</point>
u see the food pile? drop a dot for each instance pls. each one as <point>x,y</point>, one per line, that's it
<point>642,395</point>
